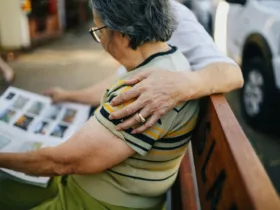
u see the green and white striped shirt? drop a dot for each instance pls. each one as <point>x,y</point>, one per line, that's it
<point>142,180</point>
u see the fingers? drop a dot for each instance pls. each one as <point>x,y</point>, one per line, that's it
<point>126,96</point>
<point>55,100</point>
<point>133,121</point>
<point>127,111</point>
<point>153,120</point>
<point>53,93</point>
<point>48,92</point>
<point>137,78</point>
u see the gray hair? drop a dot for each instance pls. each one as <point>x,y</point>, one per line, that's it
<point>141,21</point>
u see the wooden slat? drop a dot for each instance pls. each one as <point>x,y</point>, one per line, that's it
<point>229,173</point>
<point>187,185</point>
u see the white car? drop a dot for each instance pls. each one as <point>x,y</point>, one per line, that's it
<point>249,32</point>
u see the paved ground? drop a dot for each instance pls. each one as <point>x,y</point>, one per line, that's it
<point>75,61</point>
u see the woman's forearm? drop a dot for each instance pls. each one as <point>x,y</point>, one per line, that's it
<point>90,150</point>
<point>92,95</point>
<point>214,78</point>
<point>36,163</point>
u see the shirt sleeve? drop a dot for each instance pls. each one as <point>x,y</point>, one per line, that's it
<point>193,40</point>
<point>141,143</point>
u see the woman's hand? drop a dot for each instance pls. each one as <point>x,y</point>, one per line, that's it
<point>57,94</point>
<point>157,92</point>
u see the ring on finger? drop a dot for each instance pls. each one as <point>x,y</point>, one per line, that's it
<point>137,118</point>
<point>143,120</point>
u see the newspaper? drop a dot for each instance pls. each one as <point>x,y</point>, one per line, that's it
<point>29,121</point>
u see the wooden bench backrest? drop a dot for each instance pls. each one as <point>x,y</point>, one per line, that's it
<point>228,172</point>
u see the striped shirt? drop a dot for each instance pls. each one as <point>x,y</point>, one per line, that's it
<point>142,180</point>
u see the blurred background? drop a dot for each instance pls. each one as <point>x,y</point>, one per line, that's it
<point>47,44</point>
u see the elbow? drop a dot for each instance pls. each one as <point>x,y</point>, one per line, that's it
<point>79,164</point>
<point>62,169</point>
<point>81,167</point>
<point>60,164</point>
<point>239,83</point>
<point>235,78</point>
<point>77,168</point>
<point>65,166</point>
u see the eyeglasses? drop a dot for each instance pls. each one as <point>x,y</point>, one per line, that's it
<point>95,33</point>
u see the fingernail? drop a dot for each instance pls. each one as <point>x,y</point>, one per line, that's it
<point>112,103</point>
<point>133,132</point>
<point>118,128</point>
<point>110,117</point>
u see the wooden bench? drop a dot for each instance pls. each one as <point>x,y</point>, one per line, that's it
<point>221,170</point>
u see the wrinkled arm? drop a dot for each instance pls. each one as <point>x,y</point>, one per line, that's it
<point>215,72</point>
<point>214,78</point>
<point>91,150</point>
<point>160,91</point>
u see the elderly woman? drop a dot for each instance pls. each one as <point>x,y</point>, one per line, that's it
<point>101,167</point>
<point>212,72</point>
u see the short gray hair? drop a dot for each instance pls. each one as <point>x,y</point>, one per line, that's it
<point>141,21</point>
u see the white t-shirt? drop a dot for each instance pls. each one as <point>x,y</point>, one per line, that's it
<point>192,39</point>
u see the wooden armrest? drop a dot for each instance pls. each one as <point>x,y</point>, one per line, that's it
<point>229,173</point>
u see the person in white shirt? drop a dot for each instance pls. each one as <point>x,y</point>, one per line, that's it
<point>212,72</point>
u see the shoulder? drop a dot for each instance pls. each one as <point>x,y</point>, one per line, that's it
<point>174,62</point>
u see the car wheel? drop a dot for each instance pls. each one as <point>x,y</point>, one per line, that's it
<point>259,93</point>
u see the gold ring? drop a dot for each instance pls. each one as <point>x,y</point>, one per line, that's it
<point>137,118</point>
<point>143,120</point>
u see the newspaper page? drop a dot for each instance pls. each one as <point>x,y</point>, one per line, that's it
<point>29,121</point>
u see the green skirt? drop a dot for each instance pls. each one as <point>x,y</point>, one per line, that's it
<point>62,194</point>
